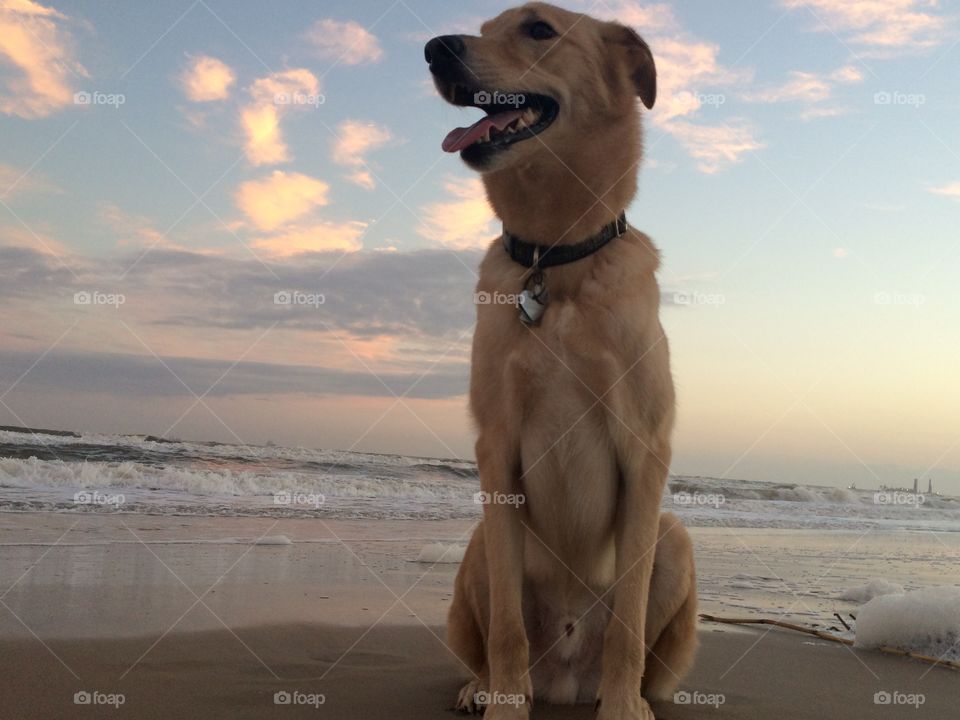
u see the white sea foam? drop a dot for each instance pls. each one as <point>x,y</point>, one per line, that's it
<point>924,621</point>
<point>441,553</point>
<point>874,588</point>
<point>159,476</point>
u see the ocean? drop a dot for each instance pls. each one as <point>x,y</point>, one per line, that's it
<point>74,472</point>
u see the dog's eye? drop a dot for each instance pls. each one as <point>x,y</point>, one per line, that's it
<point>541,31</point>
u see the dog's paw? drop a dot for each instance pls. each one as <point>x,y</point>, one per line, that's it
<point>625,707</point>
<point>472,697</point>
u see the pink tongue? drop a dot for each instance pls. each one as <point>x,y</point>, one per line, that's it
<point>460,138</point>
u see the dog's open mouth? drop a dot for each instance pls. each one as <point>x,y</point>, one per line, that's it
<point>511,117</point>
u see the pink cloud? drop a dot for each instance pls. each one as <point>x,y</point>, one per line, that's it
<point>347,42</point>
<point>464,221</point>
<point>33,41</point>
<point>354,141</point>
<point>274,95</point>
<point>881,27</point>
<point>207,79</point>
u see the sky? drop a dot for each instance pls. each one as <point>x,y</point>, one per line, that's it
<point>230,220</point>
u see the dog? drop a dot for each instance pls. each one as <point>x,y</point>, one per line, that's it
<point>583,592</point>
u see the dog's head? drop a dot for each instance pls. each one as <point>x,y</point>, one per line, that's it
<point>547,80</point>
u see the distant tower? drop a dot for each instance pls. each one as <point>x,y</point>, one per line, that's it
<point>930,486</point>
<point>915,489</point>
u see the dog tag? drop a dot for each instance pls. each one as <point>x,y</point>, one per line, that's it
<point>533,303</point>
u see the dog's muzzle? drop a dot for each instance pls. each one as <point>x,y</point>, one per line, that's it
<point>444,54</point>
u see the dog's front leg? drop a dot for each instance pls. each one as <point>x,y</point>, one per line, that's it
<point>624,651</point>
<point>507,650</point>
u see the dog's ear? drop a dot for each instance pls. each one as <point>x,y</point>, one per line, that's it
<point>633,51</point>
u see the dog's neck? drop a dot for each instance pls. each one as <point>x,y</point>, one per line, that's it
<point>566,199</point>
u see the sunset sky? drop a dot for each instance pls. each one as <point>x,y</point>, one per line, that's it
<point>171,174</point>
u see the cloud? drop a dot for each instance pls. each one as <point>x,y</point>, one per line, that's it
<point>412,296</point>
<point>815,113</point>
<point>848,74</point>
<point>345,42</point>
<point>207,79</point>
<point>35,240</point>
<point>354,140</point>
<point>146,376</point>
<point>646,18</point>
<point>265,145</point>
<point>801,87</point>
<point>29,272</point>
<point>466,221</point>
<point>272,96</point>
<point>14,181</point>
<point>881,27</point>
<point>689,77</point>
<point>133,230</point>
<point>715,147</point>
<point>33,40</point>
<point>950,190</point>
<point>686,70</point>
<point>809,88</point>
<point>280,198</point>
<point>316,237</point>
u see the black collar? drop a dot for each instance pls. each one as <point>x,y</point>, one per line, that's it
<point>544,256</point>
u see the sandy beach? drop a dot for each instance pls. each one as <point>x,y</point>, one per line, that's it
<point>212,617</point>
<point>405,672</point>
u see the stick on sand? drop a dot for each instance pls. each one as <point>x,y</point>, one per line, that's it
<point>827,636</point>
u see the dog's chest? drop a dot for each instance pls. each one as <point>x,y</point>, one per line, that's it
<point>570,362</point>
<point>570,479</point>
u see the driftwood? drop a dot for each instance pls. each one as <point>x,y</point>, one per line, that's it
<point>828,636</point>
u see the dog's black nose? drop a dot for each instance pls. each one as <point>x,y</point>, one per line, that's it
<point>445,47</point>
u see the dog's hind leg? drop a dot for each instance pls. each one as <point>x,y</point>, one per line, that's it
<point>671,630</point>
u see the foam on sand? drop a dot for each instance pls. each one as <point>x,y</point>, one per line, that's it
<point>875,588</point>
<point>441,553</point>
<point>924,621</point>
